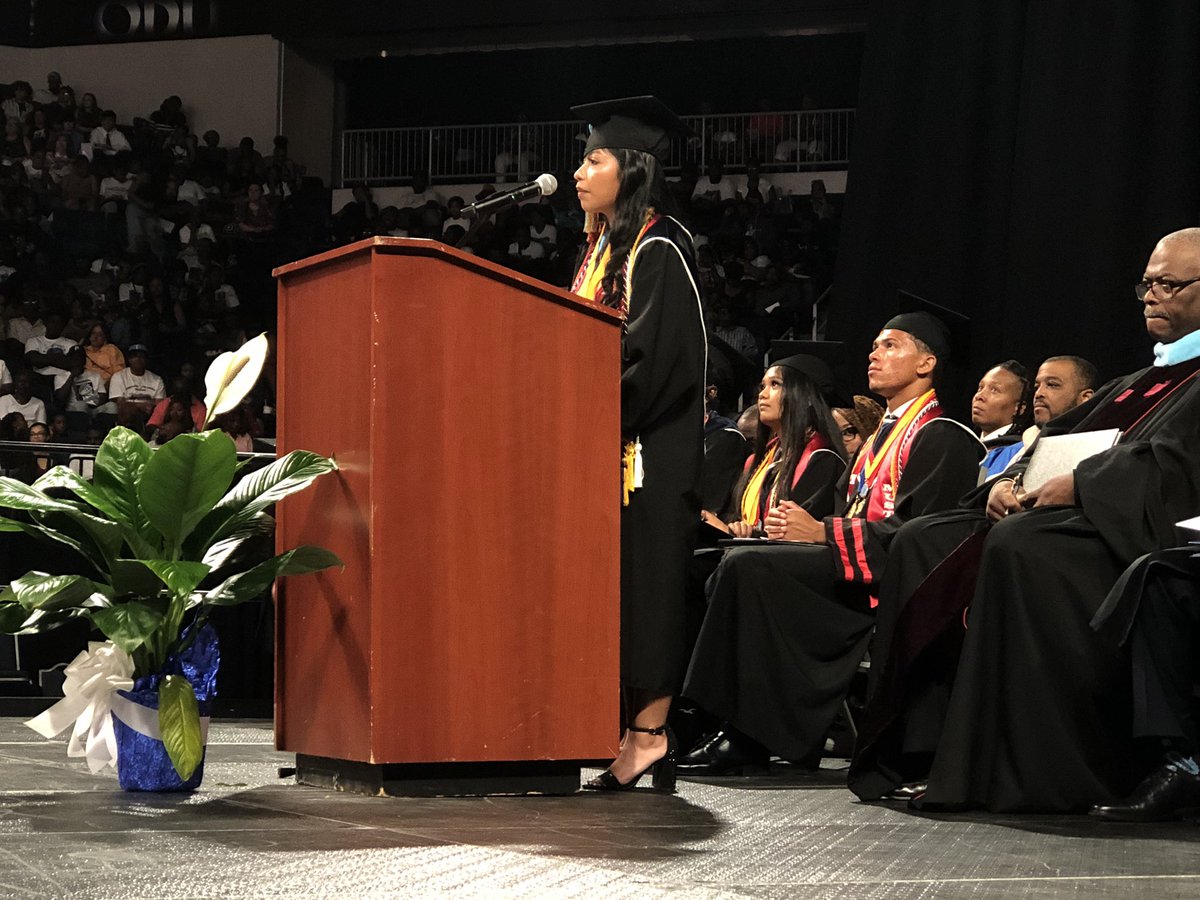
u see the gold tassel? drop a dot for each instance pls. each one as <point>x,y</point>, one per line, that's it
<point>632,473</point>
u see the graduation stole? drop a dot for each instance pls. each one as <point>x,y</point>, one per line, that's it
<point>752,506</point>
<point>589,279</point>
<point>876,475</point>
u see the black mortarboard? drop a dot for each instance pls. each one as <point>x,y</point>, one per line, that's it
<point>816,359</point>
<point>631,123</point>
<point>945,331</point>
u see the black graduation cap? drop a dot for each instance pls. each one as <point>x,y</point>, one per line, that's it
<point>819,360</point>
<point>948,333</point>
<point>631,123</point>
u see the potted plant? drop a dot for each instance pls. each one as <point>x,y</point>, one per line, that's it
<point>161,537</point>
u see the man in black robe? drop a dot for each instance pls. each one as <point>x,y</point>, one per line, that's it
<point>787,625</point>
<point>1039,716</point>
<point>922,599</point>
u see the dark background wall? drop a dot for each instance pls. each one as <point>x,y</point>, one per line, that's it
<point>728,76</point>
<point>1017,161</point>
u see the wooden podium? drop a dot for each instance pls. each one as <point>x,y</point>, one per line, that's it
<point>470,645</point>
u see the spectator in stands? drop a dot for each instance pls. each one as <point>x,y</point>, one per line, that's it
<point>819,201</point>
<point>254,216</point>
<point>39,433</point>
<point>20,105</point>
<point>135,387</point>
<point>246,160</point>
<point>59,159</point>
<point>715,188</point>
<point>87,114</point>
<point>16,146</point>
<point>169,116</point>
<point>103,358</point>
<point>454,215</point>
<point>49,94</point>
<point>275,188</point>
<point>239,424</point>
<point>84,391</point>
<point>290,171</point>
<point>22,401</point>
<point>524,247</point>
<point>80,316</point>
<point>108,140</point>
<point>211,157</point>
<point>27,323</point>
<point>181,390</point>
<point>46,354</point>
<point>115,188</point>
<point>736,336</point>
<point>179,147</point>
<point>62,110</point>
<point>420,193</point>
<point>542,229</point>
<point>79,187</point>
<point>58,429</point>
<point>142,223</point>
<point>354,220</point>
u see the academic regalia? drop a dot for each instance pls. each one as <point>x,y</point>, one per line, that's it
<point>1039,715</point>
<point>788,624</point>
<point>663,352</point>
<point>662,422</point>
<point>725,450</point>
<point>1155,606</point>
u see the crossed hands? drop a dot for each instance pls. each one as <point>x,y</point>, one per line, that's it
<point>1004,499</point>
<point>789,522</point>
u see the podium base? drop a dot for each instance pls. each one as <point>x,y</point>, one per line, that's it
<point>469,779</point>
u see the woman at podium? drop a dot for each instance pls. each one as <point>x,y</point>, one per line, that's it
<point>639,261</point>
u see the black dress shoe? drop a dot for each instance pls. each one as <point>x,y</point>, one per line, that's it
<point>906,792</point>
<point>1169,792</point>
<point>728,752</point>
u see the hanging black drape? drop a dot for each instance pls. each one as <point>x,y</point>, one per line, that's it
<point>1016,161</point>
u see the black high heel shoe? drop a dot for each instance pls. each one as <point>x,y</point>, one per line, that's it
<point>662,771</point>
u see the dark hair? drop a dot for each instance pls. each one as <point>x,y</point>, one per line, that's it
<point>1088,374</point>
<point>643,186</point>
<point>1024,417</point>
<point>802,407</point>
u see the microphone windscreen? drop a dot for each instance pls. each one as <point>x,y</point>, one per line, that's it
<point>548,183</point>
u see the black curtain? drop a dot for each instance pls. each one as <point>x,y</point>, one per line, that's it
<point>1016,162</point>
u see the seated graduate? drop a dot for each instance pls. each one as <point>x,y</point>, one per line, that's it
<point>798,456</point>
<point>796,435</point>
<point>857,423</point>
<point>787,625</point>
<point>1039,716</point>
<point>919,629</point>
<point>999,412</point>
<point>1155,607</point>
<point>725,450</point>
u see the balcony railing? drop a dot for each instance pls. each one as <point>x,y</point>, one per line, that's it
<point>815,139</point>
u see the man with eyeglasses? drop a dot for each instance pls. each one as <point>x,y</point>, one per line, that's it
<point>1039,716</point>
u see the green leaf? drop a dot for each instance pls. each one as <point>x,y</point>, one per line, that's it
<point>120,462</point>
<point>180,577</point>
<point>37,590</point>
<point>131,624</point>
<point>18,495</point>
<point>254,493</point>
<point>134,577</point>
<point>10,525</point>
<point>220,553</point>
<point>183,481</point>
<point>179,724</point>
<point>12,617</point>
<point>251,583</point>
<point>100,540</point>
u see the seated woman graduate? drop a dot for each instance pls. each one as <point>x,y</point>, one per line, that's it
<point>798,453</point>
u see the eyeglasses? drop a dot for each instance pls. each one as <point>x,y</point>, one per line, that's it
<point>848,432</point>
<point>1164,288</point>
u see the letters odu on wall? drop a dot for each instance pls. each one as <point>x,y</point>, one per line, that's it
<point>155,19</point>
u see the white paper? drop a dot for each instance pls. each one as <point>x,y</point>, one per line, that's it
<point>1059,455</point>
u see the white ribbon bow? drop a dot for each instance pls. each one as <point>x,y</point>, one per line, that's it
<point>92,680</point>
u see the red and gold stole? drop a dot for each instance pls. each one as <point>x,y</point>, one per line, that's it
<point>876,475</point>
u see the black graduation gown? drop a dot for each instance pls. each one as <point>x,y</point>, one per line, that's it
<point>815,491</point>
<point>1039,715</point>
<point>662,405</point>
<point>725,451</point>
<point>783,636</point>
<point>1155,605</point>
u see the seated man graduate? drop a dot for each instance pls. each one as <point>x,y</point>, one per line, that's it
<point>787,624</point>
<point>1038,719</point>
<point>919,629</point>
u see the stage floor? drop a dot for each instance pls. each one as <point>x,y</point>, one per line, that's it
<point>248,833</point>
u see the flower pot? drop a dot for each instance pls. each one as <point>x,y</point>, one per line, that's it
<point>142,761</point>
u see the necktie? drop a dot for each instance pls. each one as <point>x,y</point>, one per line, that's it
<point>885,428</point>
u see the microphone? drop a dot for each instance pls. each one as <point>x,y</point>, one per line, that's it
<point>542,186</point>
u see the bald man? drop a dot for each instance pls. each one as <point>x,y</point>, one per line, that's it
<point>1039,716</point>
